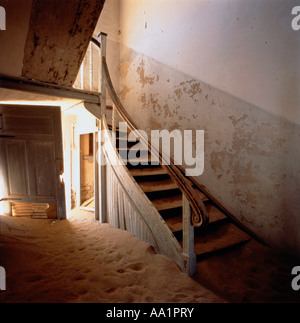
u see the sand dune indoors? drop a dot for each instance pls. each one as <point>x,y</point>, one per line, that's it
<point>80,260</point>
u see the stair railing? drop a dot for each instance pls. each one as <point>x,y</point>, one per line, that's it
<point>194,211</point>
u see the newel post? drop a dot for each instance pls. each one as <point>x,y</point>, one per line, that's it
<point>188,256</point>
<point>102,169</point>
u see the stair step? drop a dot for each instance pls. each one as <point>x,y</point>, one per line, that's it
<point>147,171</point>
<point>137,147</point>
<point>215,214</point>
<point>168,203</point>
<point>144,160</point>
<point>132,153</point>
<point>174,223</point>
<point>226,236</point>
<point>158,186</point>
<point>124,138</point>
<point>164,194</point>
<point>122,142</point>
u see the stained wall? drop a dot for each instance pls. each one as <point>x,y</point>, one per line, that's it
<point>231,68</point>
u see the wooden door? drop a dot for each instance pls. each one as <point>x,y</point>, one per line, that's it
<point>31,157</point>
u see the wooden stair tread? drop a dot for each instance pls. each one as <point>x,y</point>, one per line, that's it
<point>168,203</point>
<point>215,214</point>
<point>124,138</point>
<point>158,186</point>
<point>141,159</point>
<point>226,236</point>
<point>174,223</point>
<point>135,149</point>
<point>220,235</point>
<point>147,171</point>
<point>137,146</point>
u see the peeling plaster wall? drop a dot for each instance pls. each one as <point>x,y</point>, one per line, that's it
<point>246,48</point>
<point>237,83</point>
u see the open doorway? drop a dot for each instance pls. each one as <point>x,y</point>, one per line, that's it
<point>87,186</point>
<point>79,127</point>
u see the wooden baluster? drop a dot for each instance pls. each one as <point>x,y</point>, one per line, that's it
<point>102,169</point>
<point>97,139</point>
<point>114,126</point>
<point>188,256</point>
<point>113,120</point>
<point>96,173</point>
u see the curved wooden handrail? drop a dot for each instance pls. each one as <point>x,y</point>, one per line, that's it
<point>199,212</point>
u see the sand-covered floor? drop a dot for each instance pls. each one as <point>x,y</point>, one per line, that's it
<point>80,260</point>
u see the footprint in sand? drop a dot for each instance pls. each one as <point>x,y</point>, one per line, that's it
<point>35,278</point>
<point>121,271</point>
<point>110,290</point>
<point>137,267</point>
<point>81,290</point>
<point>71,250</point>
<point>79,276</point>
<point>94,279</point>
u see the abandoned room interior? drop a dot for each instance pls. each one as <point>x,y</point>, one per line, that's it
<point>84,85</point>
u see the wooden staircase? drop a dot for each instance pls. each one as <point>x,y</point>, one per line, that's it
<point>220,234</point>
<point>174,199</point>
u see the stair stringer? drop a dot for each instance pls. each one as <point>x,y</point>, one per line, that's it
<point>129,208</point>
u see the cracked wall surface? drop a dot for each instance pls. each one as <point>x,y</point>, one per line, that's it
<point>230,68</point>
<point>252,160</point>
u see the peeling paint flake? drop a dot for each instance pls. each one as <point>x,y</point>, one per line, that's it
<point>192,88</point>
<point>235,121</point>
<point>144,80</point>
<point>178,93</point>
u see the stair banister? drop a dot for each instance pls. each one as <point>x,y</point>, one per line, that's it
<point>194,210</point>
<point>199,213</point>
